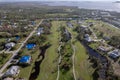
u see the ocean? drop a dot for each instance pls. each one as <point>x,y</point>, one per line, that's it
<point>110,6</point>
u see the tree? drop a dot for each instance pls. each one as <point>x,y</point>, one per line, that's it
<point>115,41</point>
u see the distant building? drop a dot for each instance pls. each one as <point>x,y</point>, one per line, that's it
<point>67,35</point>
<point>69,25</point>
<point>13,71</point>
<point>25,60</point>
<point>84,28</point>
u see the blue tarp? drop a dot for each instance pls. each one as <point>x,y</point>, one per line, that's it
<point>33,23</point>
<point>30,46</point>
<point>24,59</point>
<point>17,37</point>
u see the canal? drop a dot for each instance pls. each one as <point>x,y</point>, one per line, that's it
<point>38,62</point>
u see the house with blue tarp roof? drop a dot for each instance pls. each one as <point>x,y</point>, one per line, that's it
<point>17,37</point>
<point>33,23</point>
<point>25,60</point>
<point>30,46</point>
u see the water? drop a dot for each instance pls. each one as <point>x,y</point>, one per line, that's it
<point>110,6</point>
<point>38,62</point>
<point>94,53</point>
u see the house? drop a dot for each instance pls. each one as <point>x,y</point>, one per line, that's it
<point>104,48</point>
<point>114,54</point>
<point>30,46</point>
<point>67,35</point>
<point>8,40</point>
<point>8,78</point>
<point>40,31</point>
<point>84,28</point>
<point>69,25</point>
<point>87,38</point>
<point>12,72</point>
<point>17,37</point>
<point>106,38</point>
<point>25,60</point>
<point>32,23</point>
<point>90,24</point>
<point>9,45</point>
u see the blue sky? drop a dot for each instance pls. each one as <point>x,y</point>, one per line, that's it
<point>54,0</point>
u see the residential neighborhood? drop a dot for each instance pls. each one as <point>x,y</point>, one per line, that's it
<point>40,41</point>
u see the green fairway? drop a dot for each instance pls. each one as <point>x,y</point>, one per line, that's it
<point>83,70</point>
<point>25,72</point>
<point>82,65</point>
<point>66,76</point>
<point>49,64</point>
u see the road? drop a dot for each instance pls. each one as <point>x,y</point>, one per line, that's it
<point>59,61</point>
<point>73,57</point>
<point>16,52</point>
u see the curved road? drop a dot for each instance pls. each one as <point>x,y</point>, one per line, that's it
<point>59,61</point>
<point>73,57</point>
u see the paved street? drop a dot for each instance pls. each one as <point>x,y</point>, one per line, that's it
<point>15,52</point>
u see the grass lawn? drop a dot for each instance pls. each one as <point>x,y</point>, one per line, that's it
<point>82,66</point>
<point>49,65</point>
<point>48,68</point>
<point>94,45</point>
<point>25,72</point>
<point>2,39</point>
<point>66,76</point>
<point>4,59</point>
<point>16,47</point>
<point>105,28</point>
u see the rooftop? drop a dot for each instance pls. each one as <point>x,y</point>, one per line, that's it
<point>25,59</point>
<point>30,46</point>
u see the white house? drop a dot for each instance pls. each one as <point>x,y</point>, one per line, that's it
<point>9,45</point>
<point>40,31</point>
<point>87,38</point>
<point>8,78</point>
<point>115,53</point>
<point>13,71</point>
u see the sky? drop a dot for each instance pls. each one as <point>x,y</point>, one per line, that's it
<point>53,0</point>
